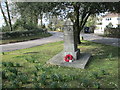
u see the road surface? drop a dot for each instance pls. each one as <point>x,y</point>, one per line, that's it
<point>57,36</point>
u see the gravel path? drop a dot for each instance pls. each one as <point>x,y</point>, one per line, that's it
<point>57,36</point>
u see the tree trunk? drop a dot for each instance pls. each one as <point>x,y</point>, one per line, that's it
<point>5,19</point>
<point>78,37</point>
<point>31,17</point>
<point>41,15</point>
<point>76,24</point>
<point>9,16</point>
<point>36,20</point>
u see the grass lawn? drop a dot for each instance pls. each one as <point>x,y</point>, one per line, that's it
<point>24,38</point>
<point>28,68</point>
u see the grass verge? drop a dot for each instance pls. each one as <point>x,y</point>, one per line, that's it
<point>27,68</point>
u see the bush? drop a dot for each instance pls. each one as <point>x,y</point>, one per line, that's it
<point>21,25</point>
<point>110,25</point>
<point>112,32</point>
<point>5,28</point>
<point>30,26</point>
<point>15,34</point>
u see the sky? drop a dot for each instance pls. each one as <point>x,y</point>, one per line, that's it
<point>1,19</point>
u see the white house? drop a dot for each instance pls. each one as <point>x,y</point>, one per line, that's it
<point>110,18</point>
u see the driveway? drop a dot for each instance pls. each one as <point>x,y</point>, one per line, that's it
<point>57,36</point>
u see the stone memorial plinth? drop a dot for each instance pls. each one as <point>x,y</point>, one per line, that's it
<point>70,48</point>
<point>70,43</point>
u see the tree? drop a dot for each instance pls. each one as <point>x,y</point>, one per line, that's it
<point>8,12</point>
<point>79,12</point>
<point>34,10</point>
<point>91,21</point>
<point>110,25</point>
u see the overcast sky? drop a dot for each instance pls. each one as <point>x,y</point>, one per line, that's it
<point>1,16</point>
<point>1,19</point>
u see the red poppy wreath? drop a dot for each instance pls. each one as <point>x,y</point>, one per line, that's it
<point>68,58</point>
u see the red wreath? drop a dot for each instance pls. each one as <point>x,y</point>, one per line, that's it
<point>68,57</point>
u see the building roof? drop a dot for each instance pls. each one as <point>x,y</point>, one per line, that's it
<point>112,15</point>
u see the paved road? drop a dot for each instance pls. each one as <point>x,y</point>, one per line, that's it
<point>57,36</point>
<point>27,44</point>
<point>103,40</point>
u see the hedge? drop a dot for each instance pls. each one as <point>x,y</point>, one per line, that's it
<point>112,32</point>
<point>15,34</point>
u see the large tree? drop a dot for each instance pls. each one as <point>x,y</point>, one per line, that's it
<point>34,10</point>
<point>79,12</point>
<point>9,17</point>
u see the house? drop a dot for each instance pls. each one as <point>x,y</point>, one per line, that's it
<point>110,19</point>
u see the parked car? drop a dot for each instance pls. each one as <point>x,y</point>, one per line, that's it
<point>86,30</point>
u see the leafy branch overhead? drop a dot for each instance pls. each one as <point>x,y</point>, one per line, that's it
<point>79,12</point>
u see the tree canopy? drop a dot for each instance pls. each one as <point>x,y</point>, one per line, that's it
<point>79,12</point>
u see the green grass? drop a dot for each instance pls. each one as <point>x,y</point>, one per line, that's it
<point>33,72</point>
<point>24,38</point>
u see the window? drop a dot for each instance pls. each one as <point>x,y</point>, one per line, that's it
<point>108,19</point>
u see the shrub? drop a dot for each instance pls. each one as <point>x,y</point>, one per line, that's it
<point>13,70</point>
<point>17,65</point>
<point>4,75</point>
<point>18,23</point>
<point>8,64</point>
<point>5,28</point>
<point>15,34</point>
<point>21,24</point>
<point>23,78</point>
<point>112,32</point>
<point>30,26</point>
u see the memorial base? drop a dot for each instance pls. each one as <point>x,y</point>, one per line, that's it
<point>74,54</point>
<point>81,62</point>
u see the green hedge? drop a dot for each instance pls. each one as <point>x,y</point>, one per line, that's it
<point>15,34</point>
<point>112,32</point>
